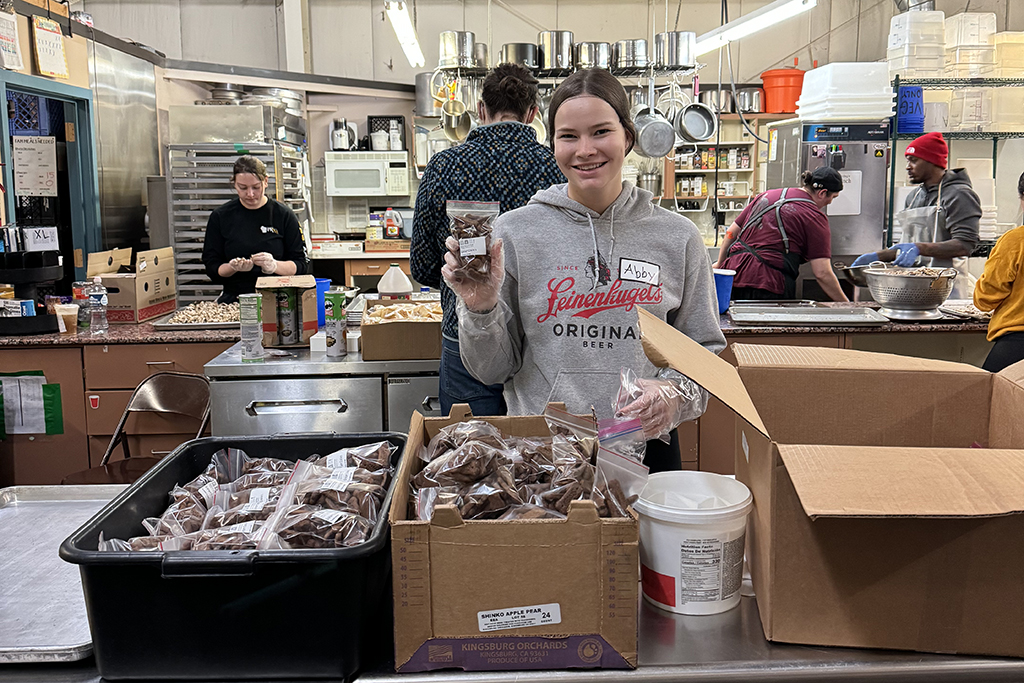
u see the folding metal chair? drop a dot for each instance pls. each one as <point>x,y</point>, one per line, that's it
<point>178,393</point>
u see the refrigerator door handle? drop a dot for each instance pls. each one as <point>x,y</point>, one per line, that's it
<point>299,405</point>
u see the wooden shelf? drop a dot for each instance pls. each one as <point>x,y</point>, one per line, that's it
<point>758,117</point>
<point>723,143</point>
<point>711,170</point>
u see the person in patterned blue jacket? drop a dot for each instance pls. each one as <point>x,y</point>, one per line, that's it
<point>500,161</point>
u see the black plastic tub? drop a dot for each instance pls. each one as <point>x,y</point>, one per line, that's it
<point>248,614</point>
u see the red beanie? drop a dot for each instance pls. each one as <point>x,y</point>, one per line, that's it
<point>930,147</point>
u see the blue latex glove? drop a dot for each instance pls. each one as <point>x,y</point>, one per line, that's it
<point>865,259</point>
<point>906,254</point>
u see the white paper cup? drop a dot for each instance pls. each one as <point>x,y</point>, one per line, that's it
<point>692,531</point>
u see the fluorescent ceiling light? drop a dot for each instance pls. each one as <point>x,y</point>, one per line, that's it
<point>398,13</point>
<point>759,19</point>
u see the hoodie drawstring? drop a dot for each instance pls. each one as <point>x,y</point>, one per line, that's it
<point>597,256</point>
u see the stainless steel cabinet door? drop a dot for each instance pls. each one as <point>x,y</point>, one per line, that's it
<point>275,406</point>
<point>406,395</point>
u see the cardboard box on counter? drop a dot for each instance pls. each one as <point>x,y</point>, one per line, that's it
<point>452,575</point>
<point>305,316</point>
<point>147,291</point>
<point>387,245</point>
<point>875,522</point>
<point>401,339</point>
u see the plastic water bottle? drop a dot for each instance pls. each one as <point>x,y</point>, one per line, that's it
<point>395,284</point>
<point>97,308</point>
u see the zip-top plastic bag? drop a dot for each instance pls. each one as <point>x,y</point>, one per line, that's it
<point>472,224</point>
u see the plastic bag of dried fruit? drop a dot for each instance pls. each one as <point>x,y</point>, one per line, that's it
<point>308,526</point>
<point>472,224</point>
<point>617,484</point>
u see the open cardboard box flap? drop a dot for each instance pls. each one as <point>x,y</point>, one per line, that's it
<point>272,281</point>
<point>105,262</point>
<point>854,481</point>
<point>862,481</point>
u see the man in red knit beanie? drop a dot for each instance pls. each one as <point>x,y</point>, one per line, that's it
<point>939,224</point>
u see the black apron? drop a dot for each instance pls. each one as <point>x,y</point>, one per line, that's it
<point>230,295</point>
<point>790,261</point>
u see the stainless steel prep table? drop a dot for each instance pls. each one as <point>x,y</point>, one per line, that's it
<point>724,648</point>
<point>300,393</point>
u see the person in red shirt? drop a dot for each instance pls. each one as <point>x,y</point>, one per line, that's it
<point>778,231</point>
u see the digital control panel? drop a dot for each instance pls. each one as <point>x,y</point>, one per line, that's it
<point>844,132</point>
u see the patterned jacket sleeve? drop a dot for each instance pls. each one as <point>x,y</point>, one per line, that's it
<point>429,227</point>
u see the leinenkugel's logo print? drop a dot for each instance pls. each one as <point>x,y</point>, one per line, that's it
<point>563,298</point>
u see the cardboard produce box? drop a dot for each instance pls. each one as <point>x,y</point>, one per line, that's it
<point>875,522</point>
<point>147,292</point>
<point>400,339</point>
<point>457,582</point>
<point>305,317</point>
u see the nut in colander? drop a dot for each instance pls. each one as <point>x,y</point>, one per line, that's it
<point>896,289</point>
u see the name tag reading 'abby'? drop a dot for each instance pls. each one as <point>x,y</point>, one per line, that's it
<point>639,271</point>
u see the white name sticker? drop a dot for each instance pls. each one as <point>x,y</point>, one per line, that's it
<point>334,485</point>
<point>343,473</point>
<point>473,246</point>
<point>242,528</point>
<point>519,617</point>
<point>639,271</point>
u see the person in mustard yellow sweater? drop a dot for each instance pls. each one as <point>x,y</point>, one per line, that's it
<point>1001,290</point>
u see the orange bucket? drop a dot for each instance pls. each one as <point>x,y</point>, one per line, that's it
<point>781,90</point>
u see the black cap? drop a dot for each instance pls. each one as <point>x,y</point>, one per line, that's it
<point>824,178</point>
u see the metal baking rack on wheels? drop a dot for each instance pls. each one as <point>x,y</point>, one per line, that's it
<point>25,270</point>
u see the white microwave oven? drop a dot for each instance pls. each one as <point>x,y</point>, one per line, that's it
<point>366,174</point>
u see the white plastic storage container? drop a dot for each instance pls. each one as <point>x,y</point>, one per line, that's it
<point>970,109</point>
<point>1009,47</point>
<point>1008,109</point>
<point>928,51</point>
<point>970,28</point>
<point>847,79</point>
<point>912,28</point>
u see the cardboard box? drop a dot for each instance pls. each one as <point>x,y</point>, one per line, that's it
<point>451,575</point>
<point>305,286</point>
<point>875,523</point>
<point>401,340</point>
<point>387,245</point>
<point>146,292</point>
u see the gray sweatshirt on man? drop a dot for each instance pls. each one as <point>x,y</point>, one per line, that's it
<point>574,278</point>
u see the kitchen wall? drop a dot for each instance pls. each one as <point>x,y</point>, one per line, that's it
<point>350,38</point>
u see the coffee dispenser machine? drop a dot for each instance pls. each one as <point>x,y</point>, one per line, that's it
<point>344,135</point>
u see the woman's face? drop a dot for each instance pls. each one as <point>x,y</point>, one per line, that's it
<point>590,146</point>
<point>250,188</point>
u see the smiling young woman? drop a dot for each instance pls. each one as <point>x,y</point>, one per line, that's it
<point>557,321</point>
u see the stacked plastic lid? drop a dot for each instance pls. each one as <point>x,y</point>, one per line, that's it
<point>969,49</point>
<point>1009,47</point>
<point>979,170</point>
<point>917,45</point>
<point>846,91</point>
<point>1008,103</point>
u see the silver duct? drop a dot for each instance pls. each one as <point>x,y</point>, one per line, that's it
<point>915,5</point>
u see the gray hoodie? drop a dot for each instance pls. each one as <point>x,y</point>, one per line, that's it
<point>960,203</point>
<point>573,281</point>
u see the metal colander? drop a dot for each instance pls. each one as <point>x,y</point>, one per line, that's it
<point>895,290</point>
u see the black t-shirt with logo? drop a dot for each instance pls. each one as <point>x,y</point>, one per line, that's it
<point>234,231</point>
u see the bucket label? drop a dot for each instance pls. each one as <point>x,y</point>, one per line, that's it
<point>710,569</point>
<point>519,617</point>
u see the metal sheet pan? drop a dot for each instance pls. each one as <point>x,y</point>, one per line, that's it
<point>43,618</point>
<point>839,317</point>
<point>163,325</point>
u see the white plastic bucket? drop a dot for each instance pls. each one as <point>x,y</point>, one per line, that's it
<point>692,530</point>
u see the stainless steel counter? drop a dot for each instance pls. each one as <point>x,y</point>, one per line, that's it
<point>724,648</point>
<point>299,363</point>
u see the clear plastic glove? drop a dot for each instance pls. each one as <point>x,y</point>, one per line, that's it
<point>241,265</point>
<point>906,254</point>
<point>479,297</point>
<point>661,404</point>
<point>266,262</point>
<point>865,259</point>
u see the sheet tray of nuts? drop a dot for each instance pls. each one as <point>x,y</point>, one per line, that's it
<point>201,315</point>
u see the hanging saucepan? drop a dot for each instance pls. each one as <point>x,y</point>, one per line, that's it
<point>655,136</point>
<point>524,54</point>
<point>696,122</point>
<point>455,120</point>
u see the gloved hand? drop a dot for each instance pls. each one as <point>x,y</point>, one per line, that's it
<point>662,404</point>
<point>266,262</point>
<point>241,265</point>
<point>479,297</point>
<point>906,254</point>
<point>865,259</point>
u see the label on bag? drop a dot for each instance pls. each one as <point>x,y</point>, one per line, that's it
<point>343,474</point>
<point>258,499</point>
<point>330,516</point>
<point>334,485</point>
<point>337,459</point>
<point>241,528</point>
<point>473,246</point>
<point>519,617</point>
<point>209,492</point>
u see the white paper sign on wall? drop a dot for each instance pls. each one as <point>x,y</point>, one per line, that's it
<point>10,49</point>
<point>49,43</point>
<point>35,165</point>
